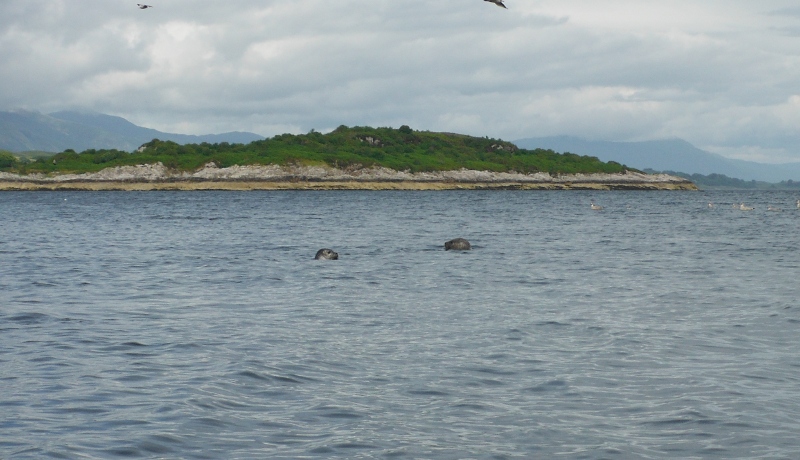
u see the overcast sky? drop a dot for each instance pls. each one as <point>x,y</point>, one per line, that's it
<point>722,74</point>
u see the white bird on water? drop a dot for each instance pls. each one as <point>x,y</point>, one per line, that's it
<point>745,208</point>
<point>798,204</point>
<point>596,207</point>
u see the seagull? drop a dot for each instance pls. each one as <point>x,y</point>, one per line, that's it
<point>143,7</point>
<point>497,2</point>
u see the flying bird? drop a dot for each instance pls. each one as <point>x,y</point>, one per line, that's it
<point>497,2</point>
<point>144,7</point>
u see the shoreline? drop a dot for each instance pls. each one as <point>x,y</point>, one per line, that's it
<point>329,185</point>
<point>273,177</point>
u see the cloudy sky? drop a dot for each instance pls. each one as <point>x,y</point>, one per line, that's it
<point>722,74</point>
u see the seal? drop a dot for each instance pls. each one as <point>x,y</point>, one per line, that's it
<point>326,254</point>
<point>458,244</point>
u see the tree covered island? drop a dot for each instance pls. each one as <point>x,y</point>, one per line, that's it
<point>343,155</point>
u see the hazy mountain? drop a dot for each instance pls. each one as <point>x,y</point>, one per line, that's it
<point>26,131</point>
<point>666,155</point>
<point>56,132</point>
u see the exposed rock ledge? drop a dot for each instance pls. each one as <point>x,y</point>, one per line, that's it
<point>273,177</point>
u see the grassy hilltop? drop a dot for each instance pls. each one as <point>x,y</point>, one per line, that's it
<point>400,149</point>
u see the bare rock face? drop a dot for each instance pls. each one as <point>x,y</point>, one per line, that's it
<point>326,254</point>
<point>458,244</point>
<point>284,177</point>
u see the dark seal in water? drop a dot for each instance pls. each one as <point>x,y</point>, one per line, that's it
<point>458,244</point>
<point>326,254</point>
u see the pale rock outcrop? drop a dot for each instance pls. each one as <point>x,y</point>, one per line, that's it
<point>156,173</point>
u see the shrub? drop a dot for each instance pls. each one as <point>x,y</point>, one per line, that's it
<point>7,160</point>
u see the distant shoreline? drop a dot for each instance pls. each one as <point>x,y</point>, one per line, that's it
<point>332,185</point>
<point>273,177</point>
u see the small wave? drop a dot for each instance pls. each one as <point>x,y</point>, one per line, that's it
<point>553,385</point>
<point>343,414</point>
<point>684,417</point>
<point>337,412</point>
<point>133,378</point>
<point>470,406</point>
<point>155,447</point>
<point>491,371</point>
<point>128,347</point>
<point>354,445</point>
<point>124,452</point>
<point>181,346</point>
<point>268,377</point>
<point>159,217</point>
<point>552,323</point>
<point>29,318</point>
<point>253,375</point>
<point>83,410</point>
<point>43,284</point>
<point>428,393</point>
<point>756,377</point>
<point>670,421</point>
<point>537,282</point>
<point>737,425</point>
<point>210,421</point>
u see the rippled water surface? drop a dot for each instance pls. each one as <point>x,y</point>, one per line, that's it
<point>198,325</point>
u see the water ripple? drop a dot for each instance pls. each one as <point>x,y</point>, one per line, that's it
<point>198,326</point>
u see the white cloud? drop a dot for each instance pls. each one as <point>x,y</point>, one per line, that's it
<point>721,74</point>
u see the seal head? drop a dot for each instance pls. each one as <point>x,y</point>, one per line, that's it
<point>458,244</point>
<point>326,254</point>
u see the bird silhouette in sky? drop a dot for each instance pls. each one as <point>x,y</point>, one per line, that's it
<point>497,2</point>
<point>144,7</point>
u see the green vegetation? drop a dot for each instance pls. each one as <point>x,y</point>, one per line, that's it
<point>723,182</point>
<point>32,155</point>
<point>400,149</point>
<point>7,160</point>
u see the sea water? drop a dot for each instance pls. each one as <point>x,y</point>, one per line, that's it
<point>197,325</point>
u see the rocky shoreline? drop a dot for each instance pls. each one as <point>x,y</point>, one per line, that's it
<point>274,177</point>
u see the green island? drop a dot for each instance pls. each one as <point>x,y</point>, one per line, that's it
<point>347,157</point>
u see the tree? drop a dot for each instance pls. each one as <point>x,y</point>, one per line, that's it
<point>7,160</point>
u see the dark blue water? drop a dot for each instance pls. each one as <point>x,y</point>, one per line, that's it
<point>198,325</point>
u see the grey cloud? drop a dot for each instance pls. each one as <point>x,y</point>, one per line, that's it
<point>791,31</point>
<point>456,65</point>
<point>788,11</point>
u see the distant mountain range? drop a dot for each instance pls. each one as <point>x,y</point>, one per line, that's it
<point>26,131</point>
<point>666,155</point>
<point>22,131</point>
